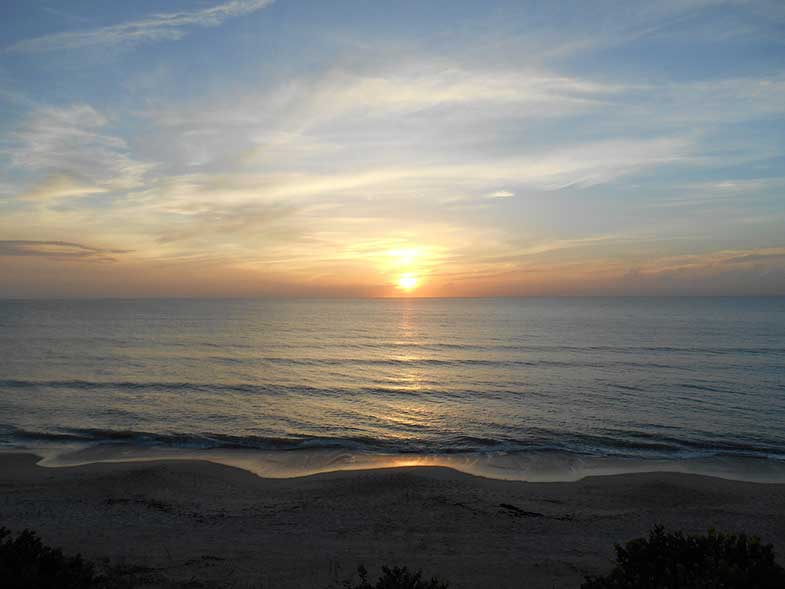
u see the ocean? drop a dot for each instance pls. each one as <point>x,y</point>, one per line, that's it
<point>515,388</point>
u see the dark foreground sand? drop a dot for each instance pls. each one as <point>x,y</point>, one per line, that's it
<point>215,525</point>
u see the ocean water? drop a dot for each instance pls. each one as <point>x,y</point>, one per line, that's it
<point>529,388</point>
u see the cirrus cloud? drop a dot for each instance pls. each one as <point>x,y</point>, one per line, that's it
<point>157,27</point>
<point>58,250</point>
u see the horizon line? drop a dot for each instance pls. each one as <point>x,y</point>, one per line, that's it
<point>377,298</point>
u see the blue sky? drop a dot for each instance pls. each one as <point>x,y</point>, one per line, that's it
<point>362,148</point>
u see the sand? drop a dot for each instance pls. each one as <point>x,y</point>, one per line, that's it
<point>194,523</point>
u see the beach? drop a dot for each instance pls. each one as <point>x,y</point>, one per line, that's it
<point>199,524</point>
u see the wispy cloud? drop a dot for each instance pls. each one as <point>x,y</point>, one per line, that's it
<point>716,101</point>
<point>58,250</point>
<point>583,165</point>
<point>712,261</point>
<point>157,27</point>
<point>356,97</point>
<point>501,194</point>
<point>59,186</point>
<point>762,255</point>
<point>69,145</point>
<point>206,220</point>
<point>422,87</point>
<point>718,192</point>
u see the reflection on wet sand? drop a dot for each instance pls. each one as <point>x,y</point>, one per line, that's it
<point>532,467</point>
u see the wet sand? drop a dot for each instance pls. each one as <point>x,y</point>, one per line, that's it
<point>195,523</point>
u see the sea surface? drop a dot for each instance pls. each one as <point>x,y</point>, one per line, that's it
<point>528,388</point>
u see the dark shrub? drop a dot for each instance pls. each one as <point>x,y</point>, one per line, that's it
<point>27,563</point>
<point>395,578</point>
<point>675,561</point>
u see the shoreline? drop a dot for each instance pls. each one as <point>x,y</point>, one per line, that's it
<point>507,466</point>
<point>187,519</point>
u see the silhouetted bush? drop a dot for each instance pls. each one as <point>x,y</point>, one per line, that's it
<point>395,578</point>
<point>664,560</point>
<point>674,561</point>
<point>27,563</point>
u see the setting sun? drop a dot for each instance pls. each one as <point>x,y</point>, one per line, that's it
<point>407,282</point>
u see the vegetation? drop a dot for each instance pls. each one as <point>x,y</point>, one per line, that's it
<point>672,560</point>
<point>663,560</point>
<point>395,578</point>
<point>26,562</point>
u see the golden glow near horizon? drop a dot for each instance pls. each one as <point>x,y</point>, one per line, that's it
<point>407,264</point>
<point>407,282</point>
<point>412,170</point>
<point>404,257</point>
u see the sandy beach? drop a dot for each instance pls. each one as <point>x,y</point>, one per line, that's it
<point>203,524</point>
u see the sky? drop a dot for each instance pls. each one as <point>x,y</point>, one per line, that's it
<point>241,148</point>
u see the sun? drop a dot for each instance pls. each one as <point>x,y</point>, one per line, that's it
<point>407,282</point>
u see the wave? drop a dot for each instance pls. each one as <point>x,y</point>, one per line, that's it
<point>634,444</point>
<point>411,359</point>
<point>485,388</point>
<point>294,442</point>
<point>213,387</point>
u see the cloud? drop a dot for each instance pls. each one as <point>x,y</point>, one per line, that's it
<point>501,194</point>
<point>738,272</point>
<point>241,222</point>
<point>447,113</point>
<point>762,255</point>
<point>423,87</point>
<point>70,146</point>
<point>341,100</point>
<point>753,271</point>
<point>157,27</point>
<point>59,186</point>
<point>724,101</point>
<point>563,34</point>
<point>601,162</point>
<point>717,261</point>
<point>375,110</point>
<point>579,165</point>
<point>716,193</point>
<point>58,250</point>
